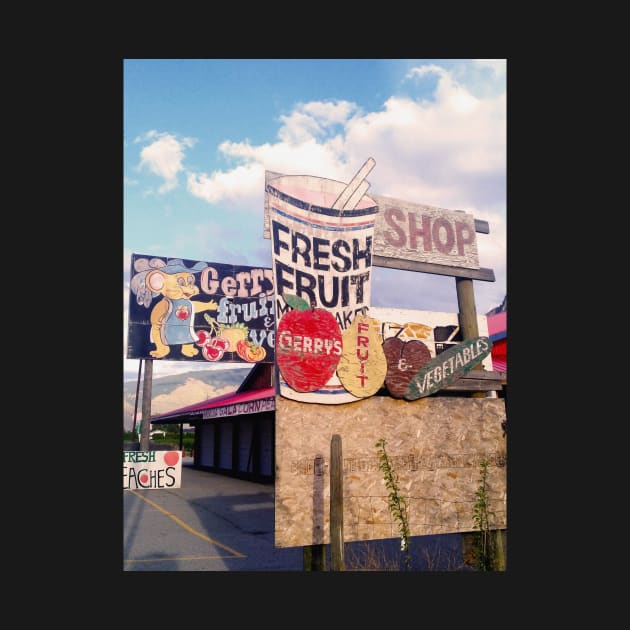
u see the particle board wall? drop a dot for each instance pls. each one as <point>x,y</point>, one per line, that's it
<point>435,445</point>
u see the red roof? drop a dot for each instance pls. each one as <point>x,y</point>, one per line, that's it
<point>497,324</point>
<point>219,401</point>
<point>499,355</point>
<point>497,331</point>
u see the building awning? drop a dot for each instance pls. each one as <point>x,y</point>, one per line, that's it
<point>497,331</point>
<point>497,326</point>
<point>232,404</point>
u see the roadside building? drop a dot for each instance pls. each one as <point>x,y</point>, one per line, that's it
<point>234,432</point>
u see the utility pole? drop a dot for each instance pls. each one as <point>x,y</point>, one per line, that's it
<point>145,430</point>
<point>135,408</point>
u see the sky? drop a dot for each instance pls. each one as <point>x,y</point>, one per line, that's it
<point>199,134</point>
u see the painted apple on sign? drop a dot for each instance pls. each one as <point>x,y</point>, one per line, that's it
<point>308,345</point>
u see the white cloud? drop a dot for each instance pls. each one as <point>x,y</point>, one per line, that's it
<point>426,69</point>
<point>242,182</point>
<point>315,120</point>
<point>448,152</point>
<point>445,152</point>
<point>164,157</point>
<point>497,66</point>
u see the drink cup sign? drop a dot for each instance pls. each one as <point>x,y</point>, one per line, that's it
<point>322,232</point>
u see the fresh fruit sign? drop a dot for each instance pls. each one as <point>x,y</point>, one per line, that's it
<point>321,247</point>
<point>322,235</point>
<point>193,310</point>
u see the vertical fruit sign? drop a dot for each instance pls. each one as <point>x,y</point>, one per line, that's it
<point>321,238</point>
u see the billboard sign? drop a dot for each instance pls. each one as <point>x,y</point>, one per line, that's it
<point>422,233</point>
<point>188,310</point>
<point>321,251</point>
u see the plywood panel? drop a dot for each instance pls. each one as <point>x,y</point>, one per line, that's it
<point>436,445</point>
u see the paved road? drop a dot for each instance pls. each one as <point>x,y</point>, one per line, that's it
<point>218,523</point>
<point>211,523</point>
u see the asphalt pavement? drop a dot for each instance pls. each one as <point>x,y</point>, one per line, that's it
<point>211,523</point>
<point>219,523</point>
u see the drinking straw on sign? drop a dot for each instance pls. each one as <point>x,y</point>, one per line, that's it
<point>453,333</point>
<point>356,188</point>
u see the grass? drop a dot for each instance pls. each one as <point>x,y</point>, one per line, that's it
<point>430,553</point>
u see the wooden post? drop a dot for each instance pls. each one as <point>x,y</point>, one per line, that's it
<point>467,309</point>
<point>470,329</point>
<point>147,385</point>
<point>336,505</point>
<point>135,408</point>
<point>314,557</point>
<point>468,317</point>
<point>499,559</point>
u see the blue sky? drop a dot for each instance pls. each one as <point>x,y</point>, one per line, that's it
<point>198,135</point>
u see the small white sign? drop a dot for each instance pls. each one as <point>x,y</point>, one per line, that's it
<point>145,470</point>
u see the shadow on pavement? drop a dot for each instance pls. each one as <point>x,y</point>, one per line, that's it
<point>219,523</point>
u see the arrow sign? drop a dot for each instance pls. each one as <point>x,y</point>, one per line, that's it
<point>447,367</point>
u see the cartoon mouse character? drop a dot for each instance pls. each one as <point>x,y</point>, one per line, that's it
<point>172,318</point>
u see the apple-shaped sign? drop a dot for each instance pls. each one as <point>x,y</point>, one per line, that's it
<point>404,359</point>
<point>308,345</point>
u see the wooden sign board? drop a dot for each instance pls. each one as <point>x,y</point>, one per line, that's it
<point>447,367</point>
<point>404,359</point>
<point>422,233</point>
<point>435,444</point>
<point>405,351</point>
